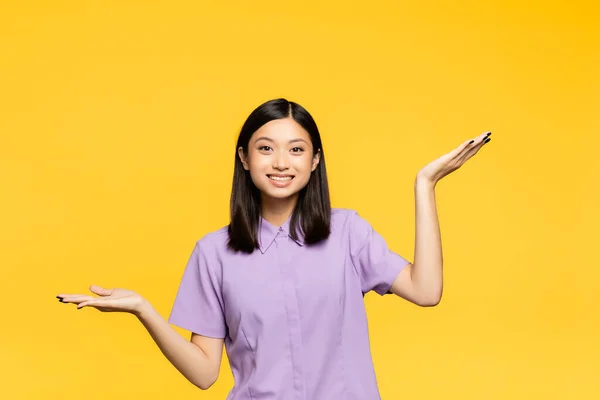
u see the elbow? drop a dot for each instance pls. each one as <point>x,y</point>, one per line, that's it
<point>206,383</point>
<point>204,386</point>
<point>430,300</point>
<point>429,303</point>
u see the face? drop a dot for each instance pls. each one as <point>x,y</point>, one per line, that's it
<point>280,158</point>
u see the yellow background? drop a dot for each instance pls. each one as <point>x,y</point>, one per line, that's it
<point>119,120</point>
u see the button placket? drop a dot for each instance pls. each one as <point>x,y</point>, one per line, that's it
<point>284,258</point>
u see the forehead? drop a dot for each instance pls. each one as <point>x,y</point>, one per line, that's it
<point>281,129</point>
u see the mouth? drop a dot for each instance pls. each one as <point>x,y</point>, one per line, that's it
<point>280,178</point>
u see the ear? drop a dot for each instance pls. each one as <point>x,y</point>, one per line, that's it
<point>243,158</point>
<point>316,159</point>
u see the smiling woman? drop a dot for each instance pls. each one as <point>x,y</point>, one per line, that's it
<point>282,285</point>
<point>280,167</point>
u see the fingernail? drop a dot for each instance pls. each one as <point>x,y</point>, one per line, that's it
<point>58,297</point>
<point>471,141</point>
<point>487,140</point>
<point>488,134</point>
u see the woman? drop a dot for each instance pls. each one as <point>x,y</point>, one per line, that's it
<point>282,285</point>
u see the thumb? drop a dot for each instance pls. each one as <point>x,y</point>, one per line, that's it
<point>100,291</point>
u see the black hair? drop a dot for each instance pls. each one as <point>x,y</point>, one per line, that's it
<point>313,209</point>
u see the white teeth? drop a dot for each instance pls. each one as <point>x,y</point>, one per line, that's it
<point>278,178</point>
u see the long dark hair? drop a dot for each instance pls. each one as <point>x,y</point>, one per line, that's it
<point>313,209</point>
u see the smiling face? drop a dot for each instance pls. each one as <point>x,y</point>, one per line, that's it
<point>280,159</point>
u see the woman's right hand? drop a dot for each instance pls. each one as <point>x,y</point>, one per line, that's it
<point>121,300</point>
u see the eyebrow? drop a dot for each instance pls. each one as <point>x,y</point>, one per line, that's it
<point>291,141</point>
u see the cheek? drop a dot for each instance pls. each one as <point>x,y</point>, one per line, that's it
<point>304,165</point>
<point>258,164</point>
<point>305,170</point>
<point>258,170</point>
<point>255,174</point>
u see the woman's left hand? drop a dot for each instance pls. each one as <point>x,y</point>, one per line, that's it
<point>452,161</point>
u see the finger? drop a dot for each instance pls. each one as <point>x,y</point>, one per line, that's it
<point>84,304</point>
<point>474,145</point>
<point>473,150</point>
<point>482,141</point>
<point>100,290</point>
<point>481,138</point>
<point>468,144</point>
<point>460,149</point>
<point>98,303</point>
<point>76,299</point>
<point>457,152</point>
<point>64,297</point>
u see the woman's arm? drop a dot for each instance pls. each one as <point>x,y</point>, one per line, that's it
<point>199,360</point>
<point>421,282</point>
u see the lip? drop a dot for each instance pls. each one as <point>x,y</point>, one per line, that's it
<point>280,184</point>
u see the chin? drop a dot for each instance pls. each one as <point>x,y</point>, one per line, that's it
<point>280,194</point>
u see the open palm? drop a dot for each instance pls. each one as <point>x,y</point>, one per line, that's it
<point>120,300</point>
<point>450,162</point>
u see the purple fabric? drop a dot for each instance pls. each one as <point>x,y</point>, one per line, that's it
<point>292,315</point>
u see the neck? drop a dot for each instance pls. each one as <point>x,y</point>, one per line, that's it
<point>277,211</point>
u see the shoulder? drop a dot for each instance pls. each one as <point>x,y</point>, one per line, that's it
<point>345,217</point>
<point>341,214</point>
<point>349,222</point>
<point>346,221</point>
<point>208,251</point>
<point>213,242</point>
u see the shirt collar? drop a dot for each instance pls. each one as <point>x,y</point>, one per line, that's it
<point>268,233</point>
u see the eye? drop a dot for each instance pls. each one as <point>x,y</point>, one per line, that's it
<point>264,148</point>
<point>297,150</point>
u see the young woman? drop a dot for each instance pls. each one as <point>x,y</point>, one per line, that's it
<point>282,285</point>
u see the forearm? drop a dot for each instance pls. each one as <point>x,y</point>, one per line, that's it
<point>427,269</point>
<point>188,358</point>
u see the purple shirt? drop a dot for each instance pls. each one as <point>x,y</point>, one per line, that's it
<point>292,315</point>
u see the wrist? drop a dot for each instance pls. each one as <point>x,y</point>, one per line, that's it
<point>424,182</point>
<point>143,309</point>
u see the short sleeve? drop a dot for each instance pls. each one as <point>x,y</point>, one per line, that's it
<point>198,305</point>
<point>376,265</point>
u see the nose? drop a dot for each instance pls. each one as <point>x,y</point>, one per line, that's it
<point>280,161</point>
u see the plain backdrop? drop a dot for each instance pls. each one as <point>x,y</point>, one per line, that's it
<point>118,122</point>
